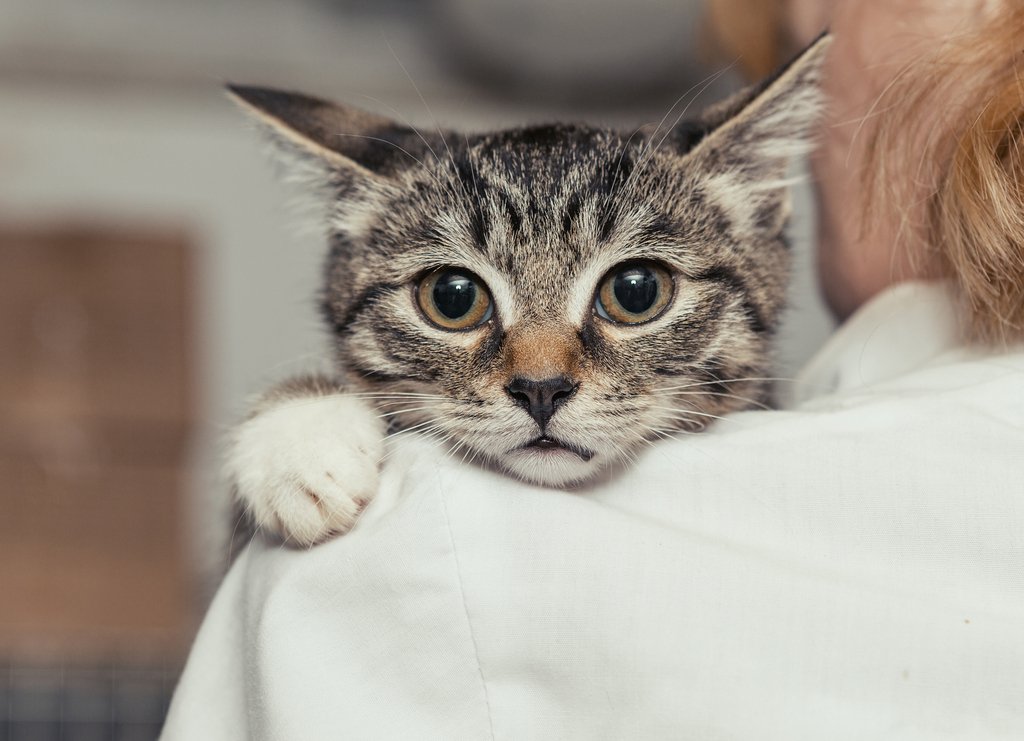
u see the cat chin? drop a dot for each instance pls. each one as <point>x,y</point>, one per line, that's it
<point>559,468</point>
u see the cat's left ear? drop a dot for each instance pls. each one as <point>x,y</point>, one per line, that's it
<point>747,143</point>
<point>354,146</point>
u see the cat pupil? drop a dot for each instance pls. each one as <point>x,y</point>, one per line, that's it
<point>454,295</point>
<point>636,289</point>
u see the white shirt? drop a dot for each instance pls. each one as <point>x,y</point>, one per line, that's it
<point>850,567</point>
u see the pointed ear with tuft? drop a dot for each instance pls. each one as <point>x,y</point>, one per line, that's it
<point>349,144</point>
<point>747,142</point>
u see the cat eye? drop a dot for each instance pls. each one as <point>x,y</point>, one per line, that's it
<point>634,292</point>
<point>455,299</point>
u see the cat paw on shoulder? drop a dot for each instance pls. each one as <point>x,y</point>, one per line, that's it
<point>304,469</point>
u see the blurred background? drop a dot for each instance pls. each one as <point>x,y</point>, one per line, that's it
<point>152,276</point>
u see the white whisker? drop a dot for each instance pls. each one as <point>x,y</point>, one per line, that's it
<point>676,410</point>
<point>747,399</point>
<point>726,380</point>
<point>403,411</point>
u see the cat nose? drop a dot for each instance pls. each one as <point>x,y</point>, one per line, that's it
<point>541,398</point>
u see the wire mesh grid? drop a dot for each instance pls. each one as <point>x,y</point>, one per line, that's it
<point>96,703</point>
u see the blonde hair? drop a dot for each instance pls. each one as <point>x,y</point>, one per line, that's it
<point>971,222</point>
<point>974,212</point>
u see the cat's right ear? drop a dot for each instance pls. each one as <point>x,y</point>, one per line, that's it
<point>353,146</point>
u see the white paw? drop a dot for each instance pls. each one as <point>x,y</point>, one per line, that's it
<point>306,468</point>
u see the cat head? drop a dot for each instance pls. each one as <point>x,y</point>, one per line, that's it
<point>550,299</point>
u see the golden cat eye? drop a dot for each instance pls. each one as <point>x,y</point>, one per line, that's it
<point>634,292</point>
<point>455,299</point>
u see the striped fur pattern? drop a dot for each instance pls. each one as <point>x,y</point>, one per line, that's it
<point>540,214</point>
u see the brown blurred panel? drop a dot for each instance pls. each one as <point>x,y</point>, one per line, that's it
<point>95,403</point>
<point>91,561</point>
<point>94,323</point>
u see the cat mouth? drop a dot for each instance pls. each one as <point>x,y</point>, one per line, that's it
<point>545,443</point>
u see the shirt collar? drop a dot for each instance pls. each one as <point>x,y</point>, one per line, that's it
<point>899,330</point>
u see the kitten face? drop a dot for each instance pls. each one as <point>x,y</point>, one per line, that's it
<point>540,216</point>
<point>551,299</point>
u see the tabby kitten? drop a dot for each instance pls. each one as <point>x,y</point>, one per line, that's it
<point>546,299</point>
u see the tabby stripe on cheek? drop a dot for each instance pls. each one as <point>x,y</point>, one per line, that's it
<point>411,352</point>
<point>365,300</point>
<point>594,343</point>
<point>727,278</point>
<point>489,350</point>
<point>692,332</point>
<point>375,374</point>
